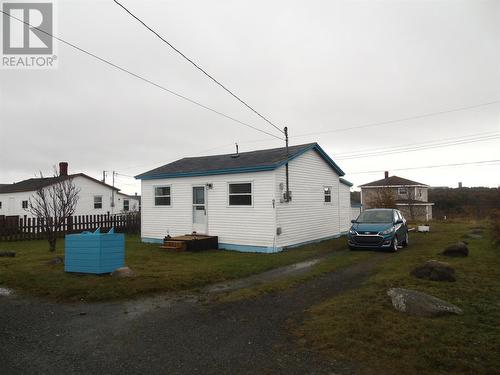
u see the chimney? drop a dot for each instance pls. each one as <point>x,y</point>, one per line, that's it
<point>386,174</point>
<point>459,185</point>
<point>63,168</point>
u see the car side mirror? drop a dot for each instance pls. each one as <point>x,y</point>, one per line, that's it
<point>399,222</point>
<point>353,221</point>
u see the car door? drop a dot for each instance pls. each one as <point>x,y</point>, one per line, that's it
<point>401,228</point>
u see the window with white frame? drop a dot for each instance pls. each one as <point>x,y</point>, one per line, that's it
<point>328,194</point>
<point>240,194</point>
<point>24,204</point>
<point>126,205</point>
<point>97,201</point>
<point>162,196</point>
<point>420,193</point>
<point>402,191</point>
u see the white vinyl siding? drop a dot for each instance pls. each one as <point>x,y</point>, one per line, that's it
<point>307,217</point>
<point>12,202</point>
<point>243,225</point>
<point>345,207</point>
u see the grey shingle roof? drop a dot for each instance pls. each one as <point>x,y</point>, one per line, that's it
<point>392,181</point>
<point>33,184</point>
<point>251,161</point>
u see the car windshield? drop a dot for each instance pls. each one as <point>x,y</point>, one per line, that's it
<point>375,216</point>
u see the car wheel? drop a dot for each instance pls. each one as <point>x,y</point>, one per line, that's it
<point>395,244</point>
<point>406,242</point>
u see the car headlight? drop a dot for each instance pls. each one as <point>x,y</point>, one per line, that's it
<point>387,231</point>
<point>353,232</point>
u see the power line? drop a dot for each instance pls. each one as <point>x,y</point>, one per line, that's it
<point>374,124</point>
<point>364,153</point>
<point>463,137</point>
<point>192,101</point>
<point>417,148</point>
<point>433,166</point>
<point>197,66</point>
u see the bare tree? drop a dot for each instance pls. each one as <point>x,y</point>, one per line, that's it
<point>384,198</point>
<point>54,203</point>
<point>410,201</point>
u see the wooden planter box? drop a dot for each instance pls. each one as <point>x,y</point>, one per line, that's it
<point>95,252</point>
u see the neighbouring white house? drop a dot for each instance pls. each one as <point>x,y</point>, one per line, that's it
<point>241,198</point>
<point>95,196</point>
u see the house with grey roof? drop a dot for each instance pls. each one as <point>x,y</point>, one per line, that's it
<point>410,197</point>
<point>242,198</point>
<point>95,197</point>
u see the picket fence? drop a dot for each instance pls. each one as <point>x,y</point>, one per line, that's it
<point>15,228</point>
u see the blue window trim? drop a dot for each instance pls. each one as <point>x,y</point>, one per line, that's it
<point>262,168</point>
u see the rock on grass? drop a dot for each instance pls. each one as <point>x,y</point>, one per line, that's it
<point>123,272</point>
<point>435,271</point>
<point>458,249</point>
<point>420,304</point>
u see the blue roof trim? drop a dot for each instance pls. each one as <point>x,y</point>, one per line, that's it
<point>321,153</point>
<point>262,168</point>
<point>345,182</point>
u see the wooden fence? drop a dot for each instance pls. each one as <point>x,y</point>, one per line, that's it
<point>15,228</point>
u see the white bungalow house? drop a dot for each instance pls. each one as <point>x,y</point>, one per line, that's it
<point>241,199</point>
<point>95,197</point>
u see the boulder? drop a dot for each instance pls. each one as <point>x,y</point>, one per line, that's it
<point>7,254</point>
<point>56,260</point>
<point>5,292</point>
<point>435,271</point>
<point>420,304</point>
<point>458,249</point>
<point>123,272</point>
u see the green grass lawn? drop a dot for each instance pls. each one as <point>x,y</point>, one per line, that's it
<point>362,327</point>
<point>156,270</point>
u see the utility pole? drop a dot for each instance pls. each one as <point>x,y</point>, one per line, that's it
<point>113,194</point>
<point>287,194</point>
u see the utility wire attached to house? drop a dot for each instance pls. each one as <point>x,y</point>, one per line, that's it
<point>103,60</point>
<point>197,66</point>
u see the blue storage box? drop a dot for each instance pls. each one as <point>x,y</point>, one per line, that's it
<point>95,252</point>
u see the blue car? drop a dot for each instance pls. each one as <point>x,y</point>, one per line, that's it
<point>378,228</point>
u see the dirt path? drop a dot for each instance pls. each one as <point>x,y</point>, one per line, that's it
<point>169,336</point>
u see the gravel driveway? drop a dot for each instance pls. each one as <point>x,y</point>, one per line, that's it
<point>165,335</point>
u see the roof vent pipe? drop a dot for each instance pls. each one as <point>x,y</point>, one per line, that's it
<point>237,152</point>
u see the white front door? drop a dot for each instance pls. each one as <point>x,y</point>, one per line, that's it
<point>199,210</point>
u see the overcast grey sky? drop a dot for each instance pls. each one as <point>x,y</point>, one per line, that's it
<point>314,66</point>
